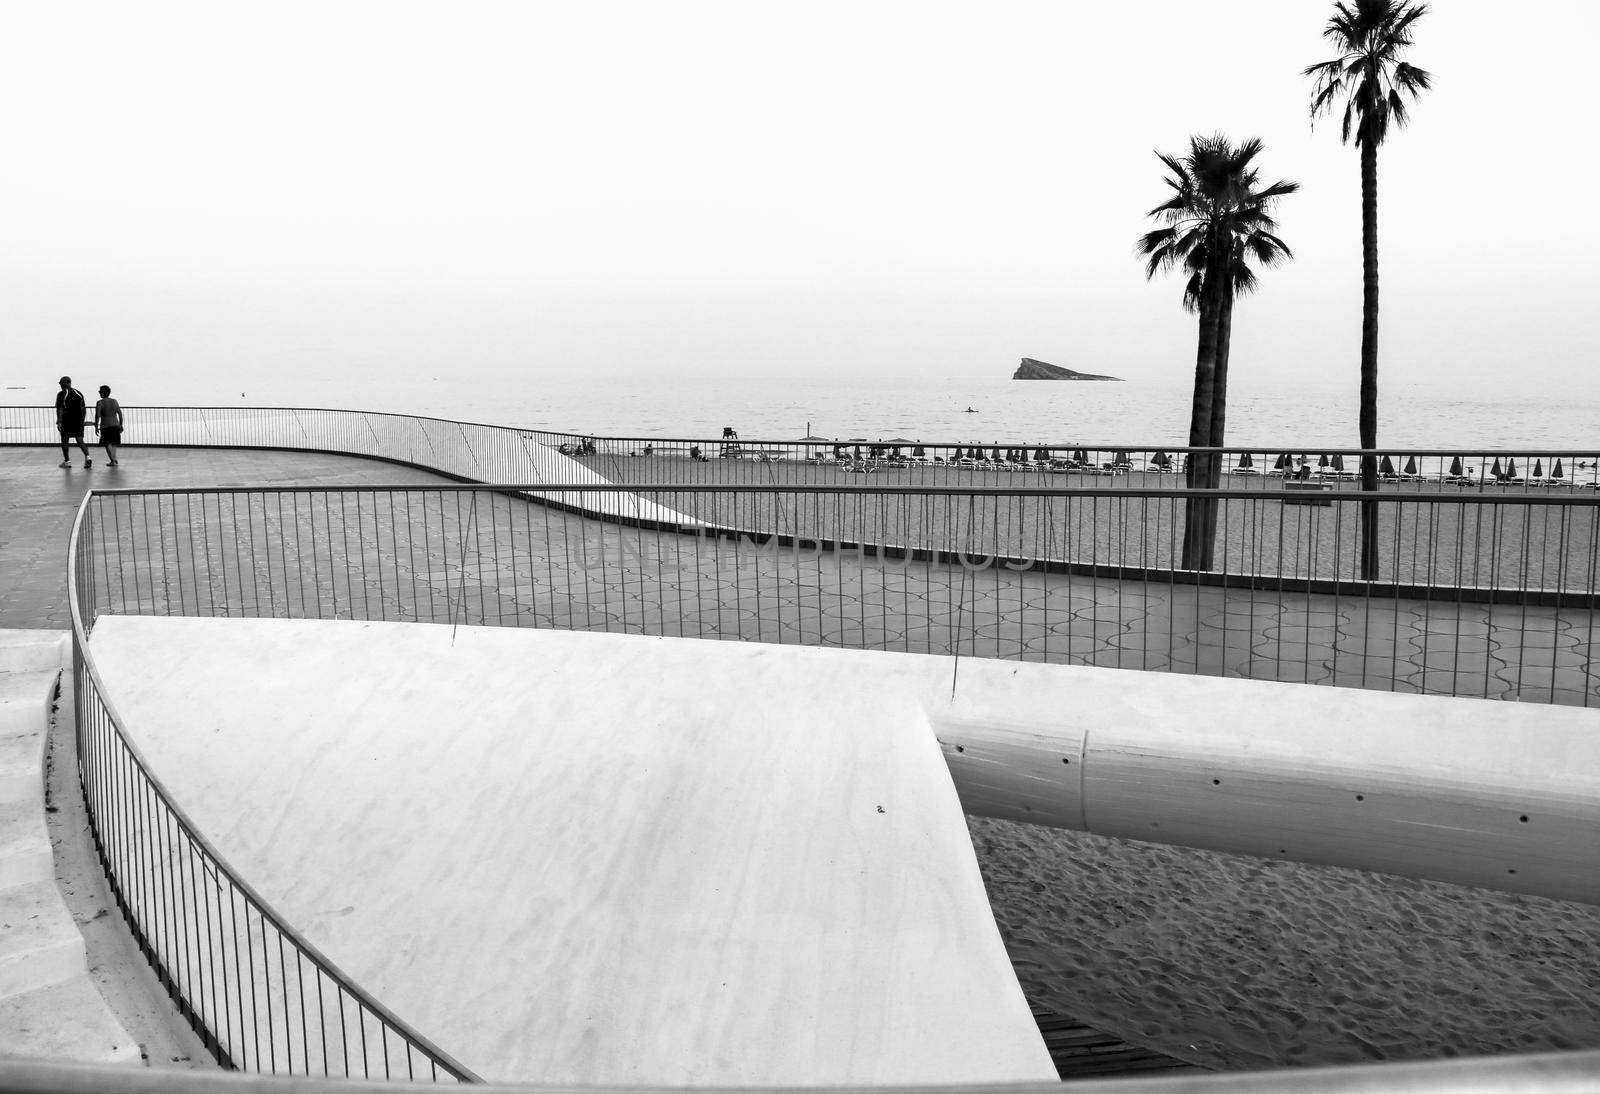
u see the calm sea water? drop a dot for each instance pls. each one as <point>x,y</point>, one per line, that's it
<point>1281,412</point>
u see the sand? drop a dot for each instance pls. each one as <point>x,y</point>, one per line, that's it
<point>1233,962</point>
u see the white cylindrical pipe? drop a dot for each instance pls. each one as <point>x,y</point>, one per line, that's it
<point>1470,791</point>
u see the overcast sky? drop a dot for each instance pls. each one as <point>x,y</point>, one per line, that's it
<point>713,188</point>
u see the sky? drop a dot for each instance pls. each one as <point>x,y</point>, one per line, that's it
<point>231,191</point>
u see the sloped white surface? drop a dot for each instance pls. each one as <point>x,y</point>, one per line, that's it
<point>589,858</point>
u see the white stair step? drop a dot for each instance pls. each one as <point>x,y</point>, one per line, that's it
<point>33,651</point>
<point>25,853</point>
<point>25,699</point>
<point>68,1021</point>
<point>39,943</point>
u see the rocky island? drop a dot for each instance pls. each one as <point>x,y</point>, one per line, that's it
<point>1038,370</point>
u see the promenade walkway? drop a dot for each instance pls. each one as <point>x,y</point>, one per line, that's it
<point>38,501</point>
<point>1076,911</point>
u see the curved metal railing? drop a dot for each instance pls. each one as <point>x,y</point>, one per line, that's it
<point>1498,598</point>
<point>261,997</point>
<point>492,453</point>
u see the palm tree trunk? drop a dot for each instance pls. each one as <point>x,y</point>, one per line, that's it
<point>1369,355</point>
<point>1219,385</point>
<point>1199,524</point>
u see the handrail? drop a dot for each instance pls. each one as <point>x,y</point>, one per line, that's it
<point>1542,1072</point>
<point>381,553</point>
<point>46,421</point>
<point>106,780</point>
<point>537,488</point>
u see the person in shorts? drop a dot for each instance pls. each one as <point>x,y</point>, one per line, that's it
<point>70,407</point>
<point>108,423</point>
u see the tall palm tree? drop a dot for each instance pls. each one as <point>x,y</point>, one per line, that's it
<point>1216,221</point>
<point>1374,84</point>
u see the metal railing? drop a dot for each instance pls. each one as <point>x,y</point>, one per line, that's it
<point>491,453</point>
<point>1497,599</point>
<point>1531,1073</point>
<point>261,997</point>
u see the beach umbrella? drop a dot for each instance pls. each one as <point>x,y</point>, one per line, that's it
<point>1246,461</point>
<point>919,451</point>
<point>1555,472</point>
<point>1455,467</point>
<point>1386,467</point>
<point>1281,462</point>
<point>1040,454</point>
<point>1081,456</point>
<point>997,452</point>
<point>1322,460</point>
<point>1538,469</point>
<point>1161,459</point>
<point>1495,470</point>
<point>1338,461</point>
<point>1411,465</point>
<point>1511,467</point>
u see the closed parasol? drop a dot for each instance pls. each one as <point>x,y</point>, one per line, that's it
<point>1455,468</point>
<point>1386,467</point>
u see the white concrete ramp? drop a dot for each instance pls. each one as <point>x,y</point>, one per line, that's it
<point>589,858</point>
<point>50,1006</point>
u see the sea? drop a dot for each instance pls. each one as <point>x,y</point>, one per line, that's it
<point>1270,413</point>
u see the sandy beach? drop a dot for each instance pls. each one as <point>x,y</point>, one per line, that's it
<point>1233,962</point>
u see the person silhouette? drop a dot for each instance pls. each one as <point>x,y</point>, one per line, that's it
<point>70,408</point>
<point>108,423</point>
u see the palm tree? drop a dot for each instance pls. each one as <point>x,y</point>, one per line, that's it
<point>1373,82</point>
<point>1216,221</point>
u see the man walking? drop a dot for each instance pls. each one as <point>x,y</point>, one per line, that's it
<point>70,408</point>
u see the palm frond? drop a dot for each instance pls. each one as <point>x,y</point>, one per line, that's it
<point>1413,79</point>
<point>1217,220</point>
<point>1369,74</point>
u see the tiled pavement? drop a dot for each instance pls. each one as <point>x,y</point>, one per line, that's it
<point>526,566</point>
